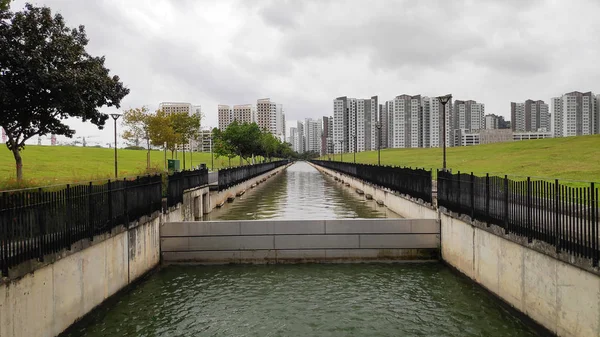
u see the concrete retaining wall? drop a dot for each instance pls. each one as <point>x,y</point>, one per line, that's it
<point>282,241</point>
<point>561,297</point>
<point>402,205</point>
<point>47,301</point>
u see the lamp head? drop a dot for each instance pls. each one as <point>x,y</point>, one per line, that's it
<point>445,99</point>
<point>115,116</point>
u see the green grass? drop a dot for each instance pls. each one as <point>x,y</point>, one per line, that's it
<point>48,165</point>
<point>569,158</point>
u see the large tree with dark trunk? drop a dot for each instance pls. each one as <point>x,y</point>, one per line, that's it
<point>46,76</point>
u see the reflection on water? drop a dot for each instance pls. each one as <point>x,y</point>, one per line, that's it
<point>300,192</point>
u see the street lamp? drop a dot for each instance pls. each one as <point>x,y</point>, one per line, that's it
<point>115,116</point>
<point>378,126</point>
<point>444,100</point>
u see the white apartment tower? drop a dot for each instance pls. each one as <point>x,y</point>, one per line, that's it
<point>574,114</point>
<point>406,125</point>
<point>340,124</point>
<point>300,143</point>
<point>266,115</point>
<point>312,135</point>
<point>468,115</point>
<point>529,116</point>
<point>174,107</point>
<point>436,117</point>
<point>371,124</point>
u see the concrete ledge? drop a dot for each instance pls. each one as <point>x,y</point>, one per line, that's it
<point>302,256</point>
<point>304,227</point>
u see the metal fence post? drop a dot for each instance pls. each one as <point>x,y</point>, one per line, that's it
<point>90,213</point>
<point>4,241</point>
<point>110,208</point>
<point>594,224</point>
<point>41,227</point>
<point>529,210</point>
<point>557,234</point>
<point>506,231</point>
<point>487,198</point>
<point>69,205</point>
<point>472,196</point>
<point>125,205</point>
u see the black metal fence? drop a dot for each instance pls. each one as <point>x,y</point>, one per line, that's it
<point>414,182</point>
<point>232,176</point>
<point>35,222</point>
<point>564,216</point>
<point>184,180</point>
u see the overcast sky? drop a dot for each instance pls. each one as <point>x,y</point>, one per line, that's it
<point>303,54</point>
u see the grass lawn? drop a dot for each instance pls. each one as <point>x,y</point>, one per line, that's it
<point>569,158</point>
<point>47,165</point>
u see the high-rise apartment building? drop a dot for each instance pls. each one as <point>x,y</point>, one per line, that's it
<point>300,142</point>
<point>529,116</point>
<point>242,113</point>
<point>327,135</point>
<point>436,127</point>
<point>371,132</point>
<point>224,115</point>
<point>574,114</point>
<point>266,115</point>
<point>468,115</point>
<point>174,107</point>
<point>293,138</point>
<point>389,110</point>
<point>341,124</point>
<point>312,135</point>
<point>406,121</point>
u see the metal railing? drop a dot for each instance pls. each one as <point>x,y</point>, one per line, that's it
<point>563,216</point>
<point>232,176</point>
<point>36,222</point>
<point>184,180</point>
<point>413,182</point>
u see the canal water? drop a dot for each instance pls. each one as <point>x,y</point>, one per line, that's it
<point>420,299</point>
<point>300,192</point>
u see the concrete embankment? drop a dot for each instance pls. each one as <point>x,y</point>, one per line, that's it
<point>557,291</point>
<point>44,299</point>
<point>47,300</point>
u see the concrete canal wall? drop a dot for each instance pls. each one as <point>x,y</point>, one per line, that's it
<point>217,197</point>
<point>400,204</point>
<point>557,291</point>
<point>300,241</point>
<point>46,301</point>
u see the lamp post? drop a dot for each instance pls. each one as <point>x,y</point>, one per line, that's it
<point>115,116</point>
<point>378,126</point>
<point>212,157</point>
<point>444,100</point>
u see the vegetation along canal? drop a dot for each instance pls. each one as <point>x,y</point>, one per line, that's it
<point>411,299</point>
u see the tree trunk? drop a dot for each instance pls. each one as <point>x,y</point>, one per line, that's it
<point>19,163</point>
<point>148,155</point>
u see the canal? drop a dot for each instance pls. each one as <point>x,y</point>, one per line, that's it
<point>415,299</point>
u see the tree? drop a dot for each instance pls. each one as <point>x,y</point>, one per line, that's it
<point>222,146</point>
<point>4,4</point>
<point>186,127</point>
<point>135,122</point>
<point>161,132</point>
<point>46,76</point>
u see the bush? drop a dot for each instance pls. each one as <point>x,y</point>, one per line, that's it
<point>134,148</point>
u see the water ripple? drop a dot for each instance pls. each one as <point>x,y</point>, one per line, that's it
<point>305,300</point>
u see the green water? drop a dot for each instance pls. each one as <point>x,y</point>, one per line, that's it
<point>300,192</point>
<point>304,300</point>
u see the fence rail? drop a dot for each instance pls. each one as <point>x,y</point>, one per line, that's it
<point>414,182</point>
<point>184,180</point>
<point>563,216</point>
<point>36,222</point>
<point>232,176</point>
